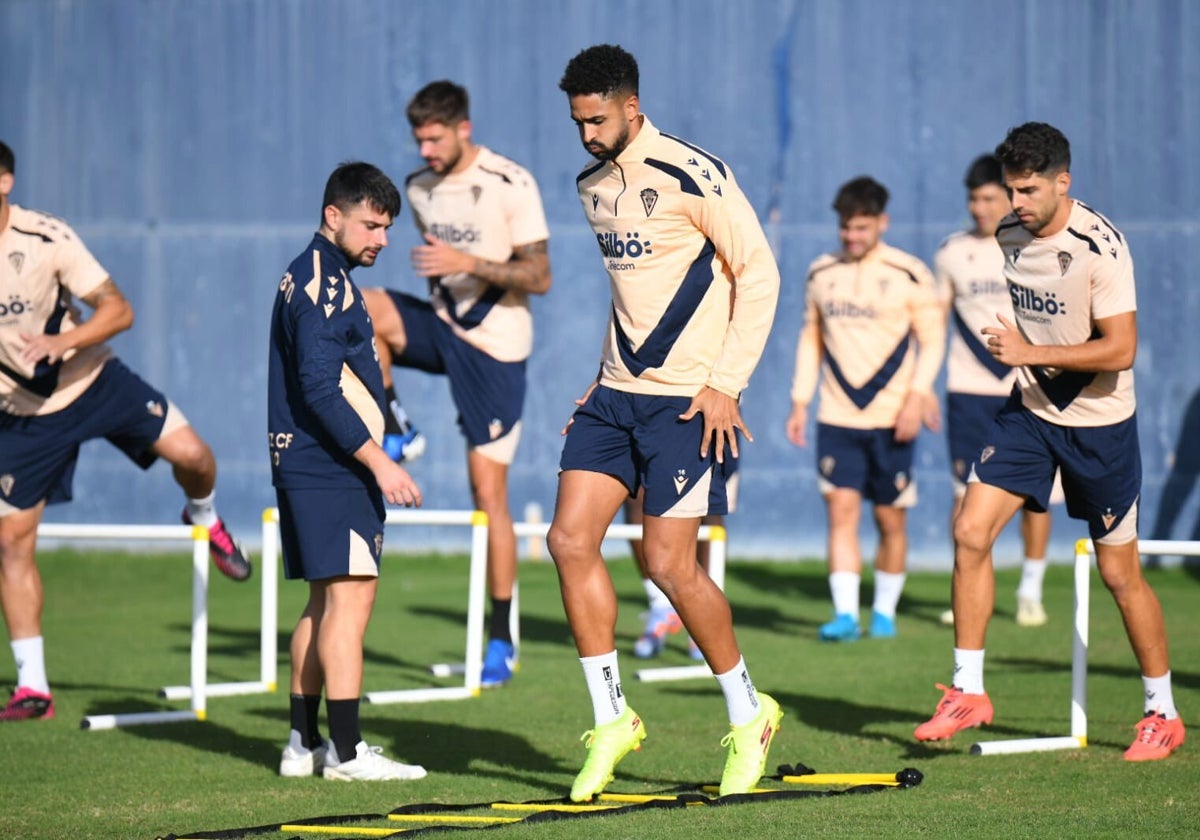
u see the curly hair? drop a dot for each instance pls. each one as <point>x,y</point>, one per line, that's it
<point>863,196</point>
<point>604,69</point>
<point>1035,147</point>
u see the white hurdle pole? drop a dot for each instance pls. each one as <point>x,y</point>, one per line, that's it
<point>1084,551</point>
<point>198,536</point>
<point>476,592</point>
<point>268,625</point>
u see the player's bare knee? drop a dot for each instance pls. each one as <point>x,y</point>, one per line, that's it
<point>972,541</point>
<point>563,545</point>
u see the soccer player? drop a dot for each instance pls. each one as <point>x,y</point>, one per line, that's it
<point>325,425</point>
<point>969,269</point>
<point>61,385</point>
<point>864,306</point>
<point>484,252</point>
<point>1073,341</point>
<point>694,288</point>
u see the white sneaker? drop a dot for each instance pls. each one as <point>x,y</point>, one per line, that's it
<point>298,761</point>
<point>1030,613</point>
<point>369,764</point>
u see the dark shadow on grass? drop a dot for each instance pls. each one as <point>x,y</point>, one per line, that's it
<point>1179,679</point>
<point>534,628</point>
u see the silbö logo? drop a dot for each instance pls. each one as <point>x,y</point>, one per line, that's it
<point>1033,304</point>
<point>617,247</point>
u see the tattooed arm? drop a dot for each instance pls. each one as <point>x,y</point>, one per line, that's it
<point>111,314</point>
<point>528,270</point>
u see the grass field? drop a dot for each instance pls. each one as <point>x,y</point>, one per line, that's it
<point>117,629</point>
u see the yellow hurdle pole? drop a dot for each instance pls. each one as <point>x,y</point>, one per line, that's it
<point>342,830</point>
<point>637,798</point>
<point>843,779</point>
<point>449,818</point>
<point>529,806</point>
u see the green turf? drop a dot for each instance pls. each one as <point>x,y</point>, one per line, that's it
<point>117,628</point>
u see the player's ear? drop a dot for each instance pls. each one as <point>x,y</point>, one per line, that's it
<point>632,107</point>
<point>333,217</point>
<point>883,223</point>
<point>1062,182</point>
<point>6,183</point>
<point>463,131</point>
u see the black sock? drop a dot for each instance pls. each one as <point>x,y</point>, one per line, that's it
<point>501,628</point>
<point>305,708</point>
<point>343,727</point>
<point>395,419</point>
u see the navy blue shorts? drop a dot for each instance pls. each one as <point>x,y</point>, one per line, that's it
<point>38,454</point>
<point>488,394</point>
<point>1101,466</point>
<point>968,418</point>
<point>870,461</point>
<point>639,440</point>
<point>330,532</point>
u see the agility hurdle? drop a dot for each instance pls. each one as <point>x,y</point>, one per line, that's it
<point>268,628</point>
<point>1084,551</point>
<point>198,536</point>
<point>477,521</point>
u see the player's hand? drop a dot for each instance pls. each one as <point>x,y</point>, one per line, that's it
<point>52,348</point>
<point>1006,343</point>
<point>396,484</point>
<point>437,259</point>
<point>579,402</point>
<point>931,412</point>
<point>721,418</point>
<point>796,423</point>
<point>908,421</point>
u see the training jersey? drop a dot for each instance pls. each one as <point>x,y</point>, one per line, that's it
<point>969,270</point>
<point>1060,286</point>
<point>44,269</point>
<point>324,385</point>
<point>675,232</point>
<point>860,319</point>
<point>487,210</point>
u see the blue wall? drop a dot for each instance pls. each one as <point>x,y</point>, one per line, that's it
<point>189,143</point>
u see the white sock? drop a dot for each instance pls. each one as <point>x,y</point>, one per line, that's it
<point>1032,574</point>
<point>31,663</point>
<point>740,697</point>
<point>657,598</point>
<point>888,586</point>
<point>604,685</point>
<point>203,511</point>
<point>968,670</point>
<point>1158,695</point>
<point>844,588</point>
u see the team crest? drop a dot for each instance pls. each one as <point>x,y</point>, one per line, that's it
<point>827,464</point>
<point>476,191</point>
<point>988,452</point>
<point>649,199</point>
<point>1108,518</point>
<point>17,259</point>
<point>378,544</point>
<point>6,483</point>
<point>495,428</point>
<point>681,481</point>
<point>154,409</point>
<point>901,481</point>
<point>1064,262</point>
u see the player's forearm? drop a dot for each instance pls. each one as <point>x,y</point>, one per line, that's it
<point>808,365</point>
<point>112,315</point>
<point>1100,355</point>
<point>527,271</point>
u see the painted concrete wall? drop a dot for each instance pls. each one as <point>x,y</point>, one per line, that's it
<point>189,143</point>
